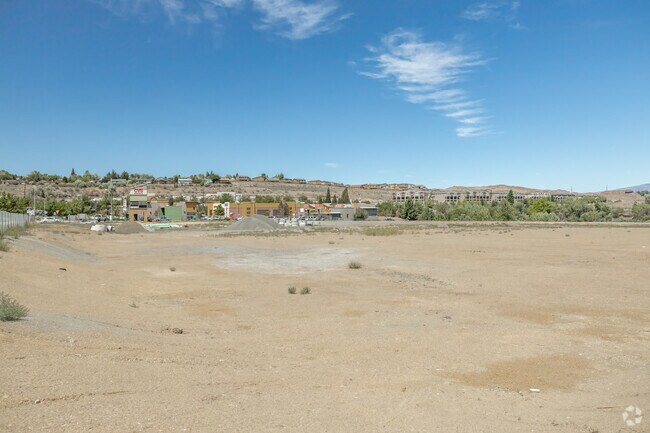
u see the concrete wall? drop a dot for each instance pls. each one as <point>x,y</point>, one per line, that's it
<point>8,219</point>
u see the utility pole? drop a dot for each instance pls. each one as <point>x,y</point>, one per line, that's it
<point>34,207</point>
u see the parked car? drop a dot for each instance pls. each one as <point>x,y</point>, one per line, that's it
<point>49,219</point>
<point>162,220</point>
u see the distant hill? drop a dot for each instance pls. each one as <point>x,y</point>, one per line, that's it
<point>644,187</point>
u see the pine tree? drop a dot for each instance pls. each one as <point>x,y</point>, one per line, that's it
<point>328,197</point>
<point>510,197</point>
<point>345,197</point>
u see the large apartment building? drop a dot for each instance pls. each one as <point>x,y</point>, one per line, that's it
<point>487,196</point>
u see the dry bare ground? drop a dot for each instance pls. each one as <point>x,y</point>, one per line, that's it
<point>443,329</point>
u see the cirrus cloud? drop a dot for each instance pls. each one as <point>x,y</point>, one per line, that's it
<point>292,19</point>
<point>296,19</point>
<point>431,73</point>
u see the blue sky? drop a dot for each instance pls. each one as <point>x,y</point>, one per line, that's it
<point>549,94</point>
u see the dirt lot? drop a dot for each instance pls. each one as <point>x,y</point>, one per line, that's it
<point>443,329</point>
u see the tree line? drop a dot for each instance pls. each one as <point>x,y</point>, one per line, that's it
<point>53,206</point>
<point>579,209</point>
<point>88,178</point>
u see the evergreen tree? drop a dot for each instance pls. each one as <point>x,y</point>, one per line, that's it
<point>345,197</point>
<point>409,211</point>
<point>510,197</point>
<point>328,197</point>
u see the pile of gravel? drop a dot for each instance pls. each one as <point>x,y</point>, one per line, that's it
<point>255,223</point>
<point>130,227</point>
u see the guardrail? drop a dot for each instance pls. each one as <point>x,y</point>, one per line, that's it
<point>8,219</point>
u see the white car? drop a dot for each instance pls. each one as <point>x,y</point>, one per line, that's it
<point>49,219</point>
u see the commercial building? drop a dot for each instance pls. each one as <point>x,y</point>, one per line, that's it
<point>246,209</point>
<point>138,209</point>
<point>174,213</point>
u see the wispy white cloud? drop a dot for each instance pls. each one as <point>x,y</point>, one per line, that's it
<point>296,19</point>
<point>501,9</point>
<point>293,19</point>
<point>331,165</point>
<point>471,131</point>
<point>430,73</point>
<point>190,12</point>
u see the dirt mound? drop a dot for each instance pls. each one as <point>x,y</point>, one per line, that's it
<point>130,227</point>
<point>255,223</point>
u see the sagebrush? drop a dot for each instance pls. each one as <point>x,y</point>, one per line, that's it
<point>10,309</point>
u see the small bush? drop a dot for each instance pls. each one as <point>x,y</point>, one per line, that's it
<point>10,309</point>
<point>4,246</point>
<point>354,265</point>
<point>291,290</point>
<point>173,269</point>
<point>305,291</point>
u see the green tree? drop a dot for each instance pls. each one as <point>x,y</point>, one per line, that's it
<point>505,211</point>
<point>280,175</point>
<point>409,210</point>
<point>387,209</point>
<point>227,198</point>
<point>641,211</point>
<point>12,203</point>
<point>265,199</point>
<point>5,175</point>
<point>345,197</point>
<point>328,197</point>
<point>360,214</point>
<point>34,176</point>
<point>540,205</point>
<point>510,198</point>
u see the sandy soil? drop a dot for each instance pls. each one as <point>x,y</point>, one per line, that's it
<point>443,329</point>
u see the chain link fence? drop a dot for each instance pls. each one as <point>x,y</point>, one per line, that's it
<point>8,219</point>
